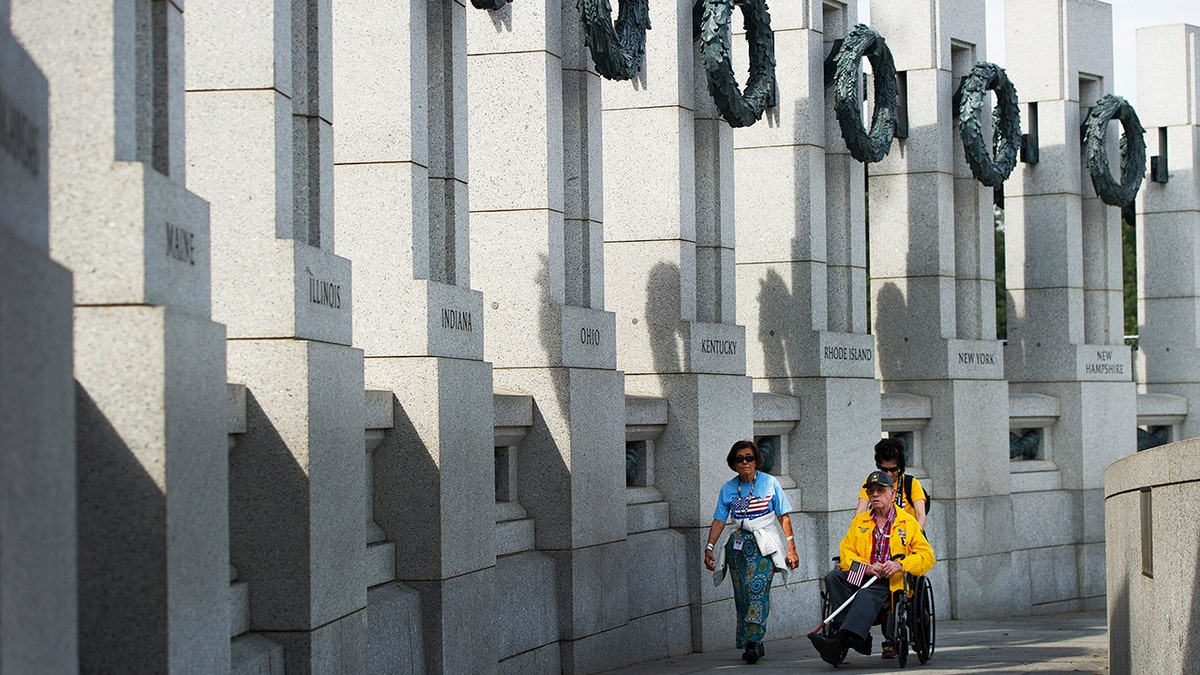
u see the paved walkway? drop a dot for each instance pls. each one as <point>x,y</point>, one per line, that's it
<point>1059,643</point>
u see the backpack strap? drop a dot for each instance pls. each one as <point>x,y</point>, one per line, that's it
<point>908,482</point>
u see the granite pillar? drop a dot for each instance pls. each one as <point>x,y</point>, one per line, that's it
<point>152,543</point>
<point>932,280</point>
<point>259,111</point>
<point>1063,252</point>
<point>401,208</point>
<point>538,256</point>
<point>1167,217</point>
<point>802,276</point>
<point>670,278</point>
<point>38,605</point>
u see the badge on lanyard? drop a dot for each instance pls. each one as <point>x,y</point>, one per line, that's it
<point>738,544</point>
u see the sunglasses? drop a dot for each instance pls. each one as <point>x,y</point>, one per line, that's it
<point>888,469</point>
<point>743,459</point>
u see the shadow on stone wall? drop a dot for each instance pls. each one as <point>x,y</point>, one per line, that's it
<point>269,507</point>
<point>776,304</point>
<point>891,313</point>
<point>664,312</point>
<point>1119,647</point>
<point>121,525</point>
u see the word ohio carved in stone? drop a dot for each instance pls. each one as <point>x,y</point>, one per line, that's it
<point>738,108</point>
<point>991,170</point>
<point>1133,150</point>
<point>865,146</point>
<point>618,51</point>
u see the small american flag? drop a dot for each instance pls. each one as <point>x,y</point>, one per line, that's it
<point>856,573</point>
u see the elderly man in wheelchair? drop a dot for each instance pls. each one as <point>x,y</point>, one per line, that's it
<point>883,544</point>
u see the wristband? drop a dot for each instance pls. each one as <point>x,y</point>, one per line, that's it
<point>708,548</point>
<point>790,538</point>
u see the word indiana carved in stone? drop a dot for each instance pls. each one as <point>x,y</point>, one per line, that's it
<point>456,320</point>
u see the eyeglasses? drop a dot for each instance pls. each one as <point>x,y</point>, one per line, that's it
<point>888,469</point>
<point>742,459</point>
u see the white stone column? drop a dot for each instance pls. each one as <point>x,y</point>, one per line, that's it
<point>668,183</point>
<point>1063,259</point>
<point>401,206</point>
<point>38,606</point>
<point>149,363</point>
<point>259,109</point>
<point>537,254</point>
<point>801,278</point>
<point>1167,219</point>
<point>934,310</point>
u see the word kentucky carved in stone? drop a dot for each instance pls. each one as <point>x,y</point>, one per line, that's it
<point>718,346</point>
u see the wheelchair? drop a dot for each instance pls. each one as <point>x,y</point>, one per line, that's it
<point>910,619</point>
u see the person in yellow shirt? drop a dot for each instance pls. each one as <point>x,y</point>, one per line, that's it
<point>884,542</point>
<point>889,458</point>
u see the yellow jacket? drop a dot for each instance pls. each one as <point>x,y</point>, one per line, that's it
<point>906,539</point>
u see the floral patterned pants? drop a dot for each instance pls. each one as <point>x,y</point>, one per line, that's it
<point>750,572</point>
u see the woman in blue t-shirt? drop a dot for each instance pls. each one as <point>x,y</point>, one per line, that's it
<point>755,503</point>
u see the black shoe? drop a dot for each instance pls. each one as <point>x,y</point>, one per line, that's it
<point>853,641</point>
<point>762,651</point>
<point>829,648</point>
<point>753,651</point>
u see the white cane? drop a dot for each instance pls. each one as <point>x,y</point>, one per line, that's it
<point>898,556</point>
<point>844,605</point>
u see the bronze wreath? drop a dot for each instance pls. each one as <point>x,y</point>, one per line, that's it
<point>618,51</point>
<point>874,146</point>
<point>1133,150</point>
<point>739,109</point>
<point>490,4</point>
<point>1006,117</point>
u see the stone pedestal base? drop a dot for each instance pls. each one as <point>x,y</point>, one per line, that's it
<point>297,502</point>
<point>37,464</point>
<point>152,473</point>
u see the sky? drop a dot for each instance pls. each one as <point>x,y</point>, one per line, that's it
<point>1128,15</point>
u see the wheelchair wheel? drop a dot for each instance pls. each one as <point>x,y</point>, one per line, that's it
<point>827,630</point>
<point>900,628</point>
<point>923,620</point>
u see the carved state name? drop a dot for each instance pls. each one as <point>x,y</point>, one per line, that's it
<point>848,353</point>
<point>718,346</point>
<point>19,135</point>
<point>181,244</point>
<point>1104,368</point>
<point>456,320</point>
<point>324,293</point>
